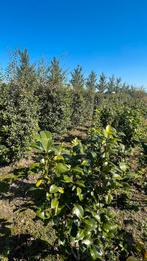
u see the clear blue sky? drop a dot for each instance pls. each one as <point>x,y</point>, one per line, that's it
<point>103,35</point>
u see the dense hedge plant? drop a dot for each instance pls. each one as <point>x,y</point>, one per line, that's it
<point>80,185</point>
<point>125,114</point>
<point>55,109</point>
<point>18,114</point>
<point>78,102</point>
<point>30,94</point>
<point>55,99</point>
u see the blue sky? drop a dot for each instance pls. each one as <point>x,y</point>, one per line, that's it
<point>104,35</point>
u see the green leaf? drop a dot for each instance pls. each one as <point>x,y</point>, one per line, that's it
<point>79,193</point>
<point>123,166</point>
<point>61,168</point>
<point>108,131</point>
<point>91,223</point>
<point>80,234</point>
<point>78,211</point>
<point>80,183</point>
<point>67,179</point>
<point>40,214</point>
<point>54,203</point>
<point>108,198</point>
<point>96,216</point>
<point>78,170</point>
<point>61,190</point>
<point>85,163</point>
<point>53,189</point>
<point>116,176</point>
<point>58,158</point>
<point>44,141</point>
<point>39,182</point>
<point>87,242</point>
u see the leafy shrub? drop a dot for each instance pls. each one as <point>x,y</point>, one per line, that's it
<point>18,109</point>
<point>77,108</point>
<point>80,185</point>
<point>124,115</point>
<point>55,109</point>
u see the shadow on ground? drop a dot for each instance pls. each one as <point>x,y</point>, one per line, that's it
<point>22,246</point>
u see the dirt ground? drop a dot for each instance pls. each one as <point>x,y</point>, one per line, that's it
<point>23,237</point>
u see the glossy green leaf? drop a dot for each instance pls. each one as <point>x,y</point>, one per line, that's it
<point>61,168</point>
<point>39,182</point>
<point>54,203</point>
<point>108,131</point>
<point>53,189</point>
<point>78,211</point>
<point>79,193</point>
<point>67,179</point>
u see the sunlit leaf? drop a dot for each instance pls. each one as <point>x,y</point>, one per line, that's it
<point>54,203</point>
<point>67,179</point>
<point>78,211</point>
<point>39,182</point>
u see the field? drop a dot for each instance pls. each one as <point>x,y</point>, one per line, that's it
<point>73,166</point>
<point>23,237</point>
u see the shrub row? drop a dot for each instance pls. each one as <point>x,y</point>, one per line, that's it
<point>41,98</point>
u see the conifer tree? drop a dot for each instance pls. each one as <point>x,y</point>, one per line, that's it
<point>111,84</point>
<point>102,84</point>
<point>78,101</point>
<point>77,80</point>
<point>91,85</point>
<point>56,76</point>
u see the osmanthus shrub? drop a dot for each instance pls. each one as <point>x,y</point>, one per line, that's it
<point>80,185</point>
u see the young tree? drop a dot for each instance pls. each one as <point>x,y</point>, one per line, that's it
<point>56,76</point>
<point>54,99</point>
<point>19,114</point>
<point>111,84</point>
<point>102,84</point>
<point>77,80</point>
<point>91,85</point>
<point>78,101</point>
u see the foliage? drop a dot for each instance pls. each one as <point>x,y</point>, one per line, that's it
<point>54,110</point>
<point>77,81</point>
<point>56,76</point>
<point>78,102</point>
<point>80,185</point>
<point>89,96</point>
<point>124,114</point>
<point>18,112</point>
<point>54,99</point>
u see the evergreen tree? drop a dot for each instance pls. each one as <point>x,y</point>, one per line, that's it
<point>56,75</point>
<point>91,82</point>
<point>54,99</point>
<point>77,79</point>
<point>78,101</point>
<point>102,84</point>
<point>91,85</point>
<point>111,84</point>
